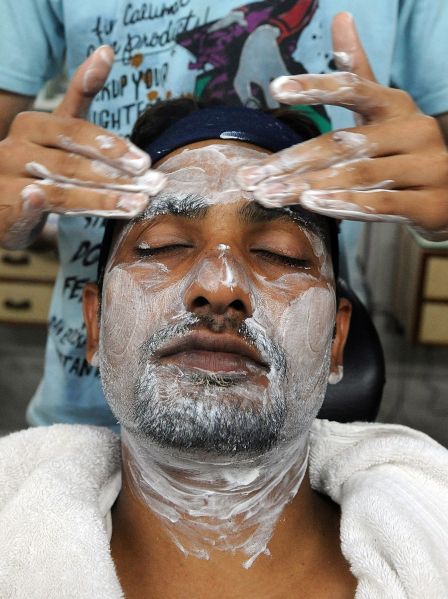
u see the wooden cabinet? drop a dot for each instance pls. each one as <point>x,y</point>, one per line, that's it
<point>421,298</point>
<point>26,284</point>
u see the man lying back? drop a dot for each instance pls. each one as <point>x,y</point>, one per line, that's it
<point>216,327</point>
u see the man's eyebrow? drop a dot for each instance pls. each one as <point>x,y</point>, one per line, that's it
<point>189,206</point>
<point>253,213</point>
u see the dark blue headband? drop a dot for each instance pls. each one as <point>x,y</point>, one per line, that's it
<point>225,122</point>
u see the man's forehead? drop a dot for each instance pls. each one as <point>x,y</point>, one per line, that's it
<point>208,169</point>
<point>202,175</point>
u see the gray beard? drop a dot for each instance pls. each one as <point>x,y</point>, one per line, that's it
<point>199,413</point>
<point>203,412</point>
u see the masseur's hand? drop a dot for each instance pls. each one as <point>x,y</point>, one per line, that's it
<point>392,167</point>
<point>61,163</point>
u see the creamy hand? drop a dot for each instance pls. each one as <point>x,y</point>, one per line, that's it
<point>61,163</point>
<point>392,167</point>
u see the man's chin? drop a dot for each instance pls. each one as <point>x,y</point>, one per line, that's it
<point>221,419</point>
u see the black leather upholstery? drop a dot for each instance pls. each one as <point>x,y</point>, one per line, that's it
<point>358,395</point>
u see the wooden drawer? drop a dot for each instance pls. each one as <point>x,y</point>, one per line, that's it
<point>35,266</point>
<point>433,323</point>
<point>436,278</point>
<point>25,302</point>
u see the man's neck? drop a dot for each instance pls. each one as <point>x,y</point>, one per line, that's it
<point>303,543</point>
<point>211,502</point>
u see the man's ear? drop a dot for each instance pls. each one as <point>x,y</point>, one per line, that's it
<point>342,327</point>
<point>90,303</point>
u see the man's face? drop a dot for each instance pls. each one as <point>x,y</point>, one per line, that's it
<point>217,315</point>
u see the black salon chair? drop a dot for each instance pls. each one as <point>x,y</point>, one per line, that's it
<point>358,395</point>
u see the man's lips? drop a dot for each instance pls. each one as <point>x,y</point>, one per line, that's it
<point>214,352</point>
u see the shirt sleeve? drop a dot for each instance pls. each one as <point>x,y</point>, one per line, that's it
<point>32,44</point>
<point>421,53</point>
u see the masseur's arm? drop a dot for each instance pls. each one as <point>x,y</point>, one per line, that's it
<point>392,167</point>
<point>61,163</point>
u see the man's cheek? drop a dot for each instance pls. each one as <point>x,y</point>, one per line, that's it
<point>306,326</point>
<point>138,301</point>
<point>123,323</point>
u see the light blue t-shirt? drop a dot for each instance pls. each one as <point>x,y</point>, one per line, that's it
<point>223,50</point>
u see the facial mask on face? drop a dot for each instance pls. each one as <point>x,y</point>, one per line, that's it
<point>216,455</point>
<point>211,169</point>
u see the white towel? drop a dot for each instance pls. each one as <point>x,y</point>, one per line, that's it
<point>53,538</point>
<point>392,485</point>
<point>57,486</point>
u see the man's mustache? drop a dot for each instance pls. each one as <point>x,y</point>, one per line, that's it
<point>271,352</point>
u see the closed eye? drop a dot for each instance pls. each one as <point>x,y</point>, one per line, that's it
<point>282,259</point>
<point>149,251</point>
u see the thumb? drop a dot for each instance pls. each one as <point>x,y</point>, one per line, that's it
<point>87,81</point>
<point>349,54</point>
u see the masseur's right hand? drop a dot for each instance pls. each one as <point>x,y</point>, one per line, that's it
<point>61,163</point>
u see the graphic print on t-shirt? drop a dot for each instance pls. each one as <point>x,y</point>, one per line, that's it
<point>177,48</point>
<point>239,55</point>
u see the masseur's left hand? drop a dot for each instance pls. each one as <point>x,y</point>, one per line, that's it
<point>393,166</point>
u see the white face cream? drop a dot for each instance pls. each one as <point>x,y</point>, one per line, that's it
<point>216,455</point>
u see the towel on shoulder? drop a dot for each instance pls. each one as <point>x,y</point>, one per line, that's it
<point>58,483</point>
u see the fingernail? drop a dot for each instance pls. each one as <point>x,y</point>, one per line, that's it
<point>95,361</point>
<point>314,196</point>
<point>106,54</point>
<point>318,199</point>
<point>132,202</point>
<point>33,198</point>
<point>285,85</point>
<point>273,191</point>
<point>278,187</point>
<point>249,176</point>
<point>278,193</point>
<point>152,181</point>
<point>343,60</point>
<point>135,160</point>
<point>268,202</point>
<point>336,377</point>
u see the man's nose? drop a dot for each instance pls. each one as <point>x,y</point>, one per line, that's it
<point>219,287</point>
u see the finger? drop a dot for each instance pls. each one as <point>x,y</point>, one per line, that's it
<point>79,137</point>
<point>21,219</point>
<point>337,147</point>
<point>371,100</point>
<point>383,205</point>
<point>87,81</point>
<point>71,168</point>
<point>48,196</point>
<point>315,154</point>
<point>394,172</point>
<point>348,51</point>
<point>67,199</point>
